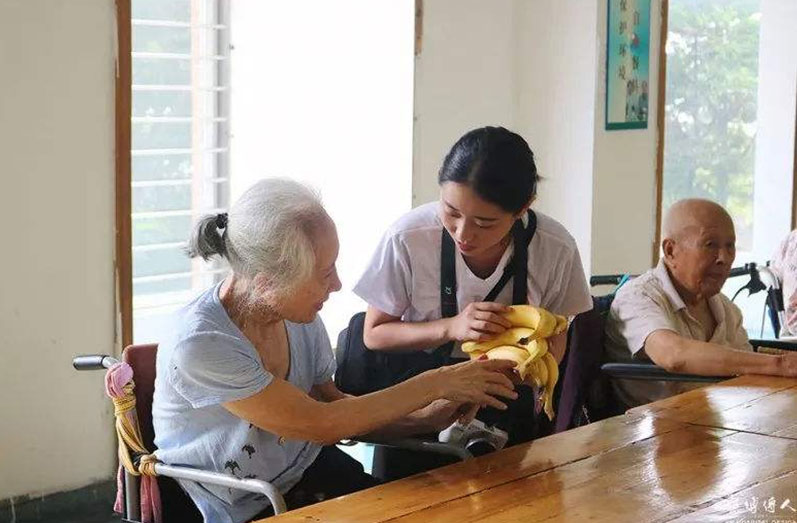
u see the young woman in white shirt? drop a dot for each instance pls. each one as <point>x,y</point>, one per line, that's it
<point>488,181</point>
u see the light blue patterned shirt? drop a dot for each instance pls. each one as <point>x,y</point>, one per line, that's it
<point>207,362</point>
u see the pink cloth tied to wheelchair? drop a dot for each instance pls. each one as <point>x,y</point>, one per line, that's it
<point>116,378</point>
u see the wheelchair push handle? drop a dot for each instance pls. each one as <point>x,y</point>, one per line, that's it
<point>747,268</point>
<point>93,362</point>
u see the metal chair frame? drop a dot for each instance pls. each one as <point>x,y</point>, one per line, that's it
<point>132,510</point>
<point>761,278</point>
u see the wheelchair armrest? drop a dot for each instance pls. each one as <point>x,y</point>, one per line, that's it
<point>773,344</point>
<point>424,445</point>
<point>605,279</point>
<point>225,480</point>
<point>651,372</point>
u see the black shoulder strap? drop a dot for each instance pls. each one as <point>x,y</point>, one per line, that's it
<point>448,290</point>
<point>448,277</point>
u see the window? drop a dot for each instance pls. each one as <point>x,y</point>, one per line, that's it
<point>321,97</point>
<point>330,106</point>
<point>729,119</point>
<point>711,106</point>
<point>179,149</point>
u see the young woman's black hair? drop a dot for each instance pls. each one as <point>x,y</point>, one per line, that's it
<point>496,163</point>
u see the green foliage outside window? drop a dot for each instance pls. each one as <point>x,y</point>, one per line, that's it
<point>711,105</point>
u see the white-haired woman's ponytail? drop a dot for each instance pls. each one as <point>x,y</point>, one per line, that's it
<point>208,237</point>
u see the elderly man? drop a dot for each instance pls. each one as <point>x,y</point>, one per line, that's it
<point>675,314</point>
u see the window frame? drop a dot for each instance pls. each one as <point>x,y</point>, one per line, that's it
<point>665,4</point>
<point>660,104</point>
<point>124,189</point>
<point>123,262</point>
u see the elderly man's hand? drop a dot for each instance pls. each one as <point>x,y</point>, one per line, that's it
<point>789,364</point>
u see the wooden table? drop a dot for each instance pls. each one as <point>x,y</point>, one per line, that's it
<point>707,455</point>
<point>759,404</point>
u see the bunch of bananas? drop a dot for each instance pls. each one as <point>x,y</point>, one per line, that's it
<point>526,344</point>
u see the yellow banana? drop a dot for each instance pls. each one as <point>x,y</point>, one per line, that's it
<point>553,377</point>
<point>523,316</point>
<point>532,379</point>
<point>542,372</point>
<point>508,352</point>
<point>526,344</point>
<point>543,322</point>
<point>512,353</point>
<point>537,374</point>
<point>508,337</point>
<point>561,324</point>
<point>547,324</point>
<point>476,354</point>
<point>536,348</point>
<point>524,369</point>
<point>553,370</point>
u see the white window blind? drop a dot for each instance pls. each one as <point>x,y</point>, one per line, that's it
<point>180,149</point>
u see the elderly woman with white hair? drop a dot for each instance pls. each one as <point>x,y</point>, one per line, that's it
<point>244,383</point>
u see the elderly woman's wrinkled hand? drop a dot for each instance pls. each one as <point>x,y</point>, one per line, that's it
<point>440,414</point>
<point>476,382</point>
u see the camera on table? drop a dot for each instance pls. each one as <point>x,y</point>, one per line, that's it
<point>476,437</point>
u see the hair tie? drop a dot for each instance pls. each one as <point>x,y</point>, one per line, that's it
<point>221,220</point>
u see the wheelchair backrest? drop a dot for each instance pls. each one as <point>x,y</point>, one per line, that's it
<point>586,394</point>
<point>142,359</point>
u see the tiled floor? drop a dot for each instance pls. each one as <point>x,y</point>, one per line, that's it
<point>103,517</point>
<point>92,504</point>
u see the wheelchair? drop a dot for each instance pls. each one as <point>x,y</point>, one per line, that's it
<point>587,394</point>
<point>176,505</point>
<point>759,278</point>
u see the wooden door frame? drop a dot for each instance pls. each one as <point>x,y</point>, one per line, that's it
<point>662,92</point>
<point>124,235</point>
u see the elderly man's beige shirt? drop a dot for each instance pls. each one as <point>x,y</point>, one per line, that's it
<point>650,303</point>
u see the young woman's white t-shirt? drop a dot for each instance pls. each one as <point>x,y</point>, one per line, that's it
<point>403,277</point>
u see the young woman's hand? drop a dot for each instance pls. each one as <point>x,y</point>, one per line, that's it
<point>478,321</point>
<point>476,382</point>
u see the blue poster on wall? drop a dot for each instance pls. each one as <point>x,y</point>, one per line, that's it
<point>627,64</point>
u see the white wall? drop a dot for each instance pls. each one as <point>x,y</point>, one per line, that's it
<point>538,67</point>
<point>57,211</point>
<point>624,183</point>
<point>528,65</point>
<point>556,67</point>
<point>334,111</point>
<point>464,78</point>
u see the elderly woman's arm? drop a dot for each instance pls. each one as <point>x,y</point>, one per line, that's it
<point>434,417</point>
<point>286,410</point>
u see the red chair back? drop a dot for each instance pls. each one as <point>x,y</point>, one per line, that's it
<point>177,506</point>
<point>142,359</point>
